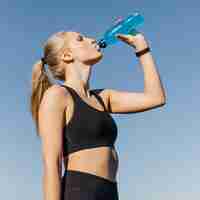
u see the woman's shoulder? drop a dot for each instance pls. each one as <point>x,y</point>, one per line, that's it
<point>55,95</point>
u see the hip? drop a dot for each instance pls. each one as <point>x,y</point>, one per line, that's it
<point>79,185</point>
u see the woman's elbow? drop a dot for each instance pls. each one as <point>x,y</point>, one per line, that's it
<point>162,102</point>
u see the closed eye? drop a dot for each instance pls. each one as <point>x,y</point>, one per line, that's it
<point>80,38</point>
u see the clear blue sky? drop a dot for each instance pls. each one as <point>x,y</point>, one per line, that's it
<point>158,149</point>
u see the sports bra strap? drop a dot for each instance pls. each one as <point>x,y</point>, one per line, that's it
<point>95,92</point>
<point>98,97</point>
<point>72,92</point>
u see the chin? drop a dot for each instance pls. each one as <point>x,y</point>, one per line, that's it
<point>95,59</point>
<point>99,57</point>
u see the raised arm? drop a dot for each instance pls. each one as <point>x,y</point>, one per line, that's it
<point>51,119</point>
<point>153,95</point>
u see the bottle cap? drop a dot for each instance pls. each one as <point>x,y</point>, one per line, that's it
<point>102,43</point>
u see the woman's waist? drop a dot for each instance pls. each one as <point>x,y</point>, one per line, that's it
<point>100,161</point>
<point>102,154</point>
<point>107,172</point>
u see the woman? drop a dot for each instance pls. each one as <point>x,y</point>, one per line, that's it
<point>74,122</point>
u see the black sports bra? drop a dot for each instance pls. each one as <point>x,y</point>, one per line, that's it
<point>88,127</point>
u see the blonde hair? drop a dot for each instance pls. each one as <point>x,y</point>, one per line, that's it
<point>40,80</point>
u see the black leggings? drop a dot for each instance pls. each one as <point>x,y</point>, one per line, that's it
<point>79,185</point>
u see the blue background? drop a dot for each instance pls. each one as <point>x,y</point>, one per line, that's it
<point>158,149</point>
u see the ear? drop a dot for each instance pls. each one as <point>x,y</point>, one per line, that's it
<point>67,56</point>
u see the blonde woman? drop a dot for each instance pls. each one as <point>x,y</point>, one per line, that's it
<point>74,122</point>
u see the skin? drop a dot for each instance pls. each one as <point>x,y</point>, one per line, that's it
<point>56,109</point>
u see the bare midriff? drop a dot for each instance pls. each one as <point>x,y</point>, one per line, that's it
<point>100,161</point>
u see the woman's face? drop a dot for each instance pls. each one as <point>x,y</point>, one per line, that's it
<point>83,48</point>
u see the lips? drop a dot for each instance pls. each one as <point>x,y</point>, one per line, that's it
<point>96,46</point>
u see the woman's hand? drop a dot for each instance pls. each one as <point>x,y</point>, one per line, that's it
<point>137,41</point>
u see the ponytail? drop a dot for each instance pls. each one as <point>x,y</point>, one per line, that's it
<point>42,78</point>
<point>39,84</point>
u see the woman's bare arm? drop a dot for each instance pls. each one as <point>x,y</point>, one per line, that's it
<point>51,115</point>
<point>153,95</point>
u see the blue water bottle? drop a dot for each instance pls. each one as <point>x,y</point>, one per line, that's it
<point>126,26</point>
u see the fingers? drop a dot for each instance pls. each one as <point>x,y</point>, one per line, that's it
<point>123,37</point>
<point>126,38</point>
<point>120,35</point>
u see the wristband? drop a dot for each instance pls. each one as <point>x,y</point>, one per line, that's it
<point>142,52</point>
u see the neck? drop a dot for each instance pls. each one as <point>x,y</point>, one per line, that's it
<point>77,77</point>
